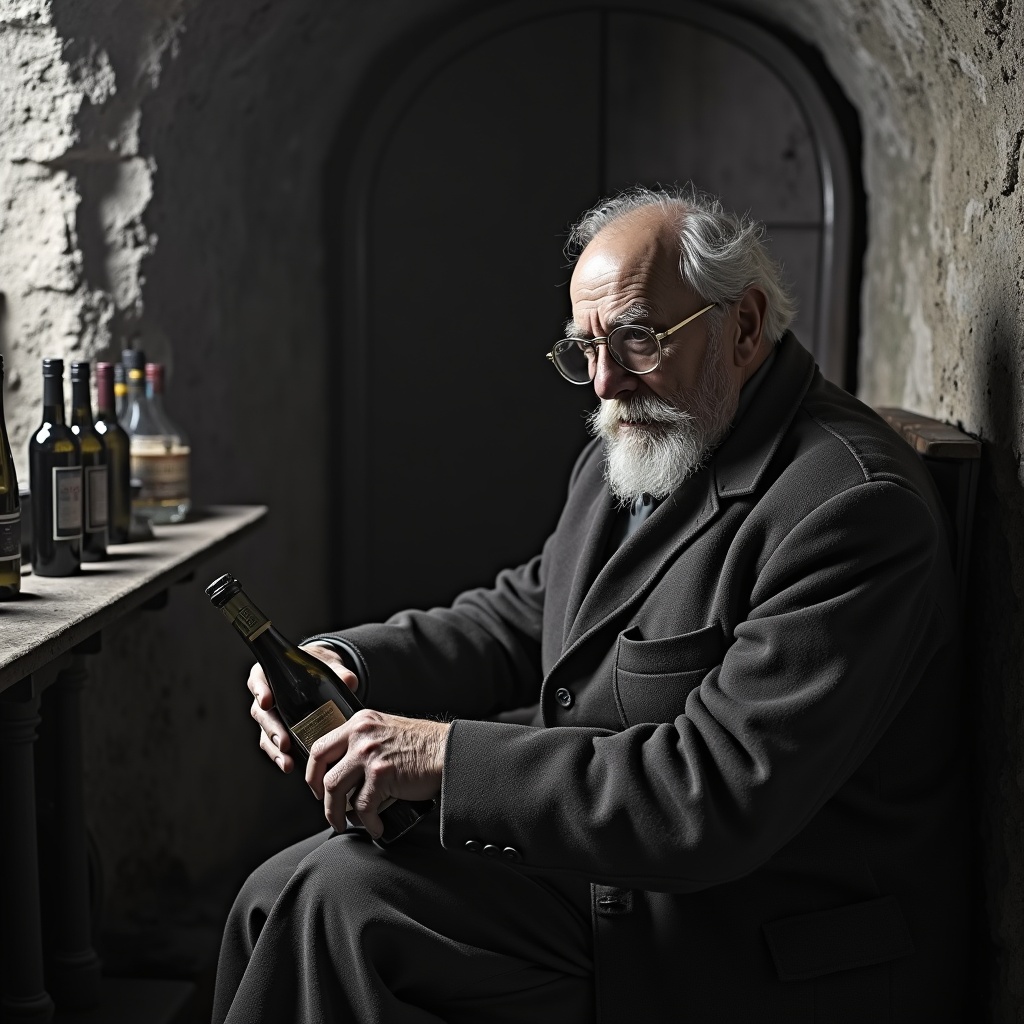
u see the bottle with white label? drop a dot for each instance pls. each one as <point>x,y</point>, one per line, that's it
<point>55,482</point>
<point>159,449</point>
<point>10,511</point>
<point>94,466</point>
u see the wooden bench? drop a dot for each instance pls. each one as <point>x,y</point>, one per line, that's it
<point>953,459</point>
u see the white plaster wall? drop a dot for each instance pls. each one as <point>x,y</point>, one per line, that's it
<point>160,173</point>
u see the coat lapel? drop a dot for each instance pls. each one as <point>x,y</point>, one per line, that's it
<point>597,526</point>
<point>600,592</point>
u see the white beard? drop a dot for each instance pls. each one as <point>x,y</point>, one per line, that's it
<point>667,441</point>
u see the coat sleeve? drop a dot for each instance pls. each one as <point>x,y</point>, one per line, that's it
<point>843,620</point>
<point>474,659</point>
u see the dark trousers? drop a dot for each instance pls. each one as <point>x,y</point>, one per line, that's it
<point>335,930</point>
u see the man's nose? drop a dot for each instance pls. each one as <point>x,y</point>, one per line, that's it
<point>610,379</point>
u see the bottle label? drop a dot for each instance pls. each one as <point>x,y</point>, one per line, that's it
<point>67,502</point>
<point>162,472</point>
<point>326,717</point>
<point>95,498</point>
<point>10,536</point>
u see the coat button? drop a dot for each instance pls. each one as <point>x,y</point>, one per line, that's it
<point>511,853</point>
<point>490,850</point>
<point>474,845</point>
<point>564,697</point>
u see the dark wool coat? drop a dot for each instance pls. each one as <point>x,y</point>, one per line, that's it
<point>749,733</point>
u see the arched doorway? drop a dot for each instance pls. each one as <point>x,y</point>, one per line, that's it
<point>448,281</point>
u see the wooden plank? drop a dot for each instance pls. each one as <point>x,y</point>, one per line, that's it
<point>54,614</point>
<point>931,437</point>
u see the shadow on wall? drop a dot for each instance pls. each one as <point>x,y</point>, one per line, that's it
<point>994,652</point>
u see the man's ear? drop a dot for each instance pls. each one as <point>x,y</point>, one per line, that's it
<point>750,312</point>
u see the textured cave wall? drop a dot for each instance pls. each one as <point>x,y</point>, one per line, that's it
<point>940,90</point>
<point>160,174</point>
<point>145,193</point>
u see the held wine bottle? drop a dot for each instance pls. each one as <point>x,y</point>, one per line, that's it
<point>10,511</point>
<point>95,503</point>
<point>308,696</point>
<point>55,480</point>
<point>119,491</point>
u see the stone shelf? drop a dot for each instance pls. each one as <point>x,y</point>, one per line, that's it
<point>44,636</point>
<point>55,614</point>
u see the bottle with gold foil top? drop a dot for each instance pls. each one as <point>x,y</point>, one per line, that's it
<point>120,388</point>
<point>55,481</point>
<point>95,499</point>
<point>10,511</point>
<point>308,696</point>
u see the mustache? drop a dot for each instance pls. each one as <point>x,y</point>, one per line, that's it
<point>643,409</point>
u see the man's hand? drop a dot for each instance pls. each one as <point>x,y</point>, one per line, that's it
<point>376,757</point>
<point>274,739</point>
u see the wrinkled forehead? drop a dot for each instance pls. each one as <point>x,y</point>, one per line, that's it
<point>631,264</point>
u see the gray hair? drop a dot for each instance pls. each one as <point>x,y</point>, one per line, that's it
<point>721,254</point>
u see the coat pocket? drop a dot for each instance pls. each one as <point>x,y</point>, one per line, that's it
<point>652,678</point>
<point>857,935</point>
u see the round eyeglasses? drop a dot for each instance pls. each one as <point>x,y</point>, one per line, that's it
<point>634,347</point>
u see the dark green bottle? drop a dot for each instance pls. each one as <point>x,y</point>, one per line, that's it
<point>308,696</point>
<point>55,481</point>
<point>119,510</point>
<point>10,511</point>
<point>95,499</point>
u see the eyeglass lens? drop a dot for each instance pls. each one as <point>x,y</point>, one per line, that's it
<point>631,346</point>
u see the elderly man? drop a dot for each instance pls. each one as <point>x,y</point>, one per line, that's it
<point>737,791</point>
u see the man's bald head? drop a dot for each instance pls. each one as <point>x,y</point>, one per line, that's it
<point>717,254</point>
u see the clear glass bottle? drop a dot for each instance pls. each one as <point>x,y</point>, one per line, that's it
<point>95,497</point>
<point>10,511</point>
<point>159,449</point>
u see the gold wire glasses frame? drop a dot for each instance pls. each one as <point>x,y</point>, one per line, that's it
<point>586,346</point>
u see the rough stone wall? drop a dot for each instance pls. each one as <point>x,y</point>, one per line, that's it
<point>172,229</point>
<point>160,172</point>
<point>940,90</point>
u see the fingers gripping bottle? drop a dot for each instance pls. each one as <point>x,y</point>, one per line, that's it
<point>308,696</point>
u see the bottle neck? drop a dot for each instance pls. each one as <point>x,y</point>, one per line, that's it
<point>104,396</point>
<point>136,384</point>
<point>53,399</point>
<point>250,622</point>
<point>81,404</point>
<point>154,395</point>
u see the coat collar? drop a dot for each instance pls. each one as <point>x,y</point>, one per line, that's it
<point>602,589</point>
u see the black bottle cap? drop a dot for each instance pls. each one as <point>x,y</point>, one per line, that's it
<point>53,367</point>
<point>222,588</point>
<point>133,359</point>
<point>80,370</point>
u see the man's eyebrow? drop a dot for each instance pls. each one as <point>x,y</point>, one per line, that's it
<point>630,315</point>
